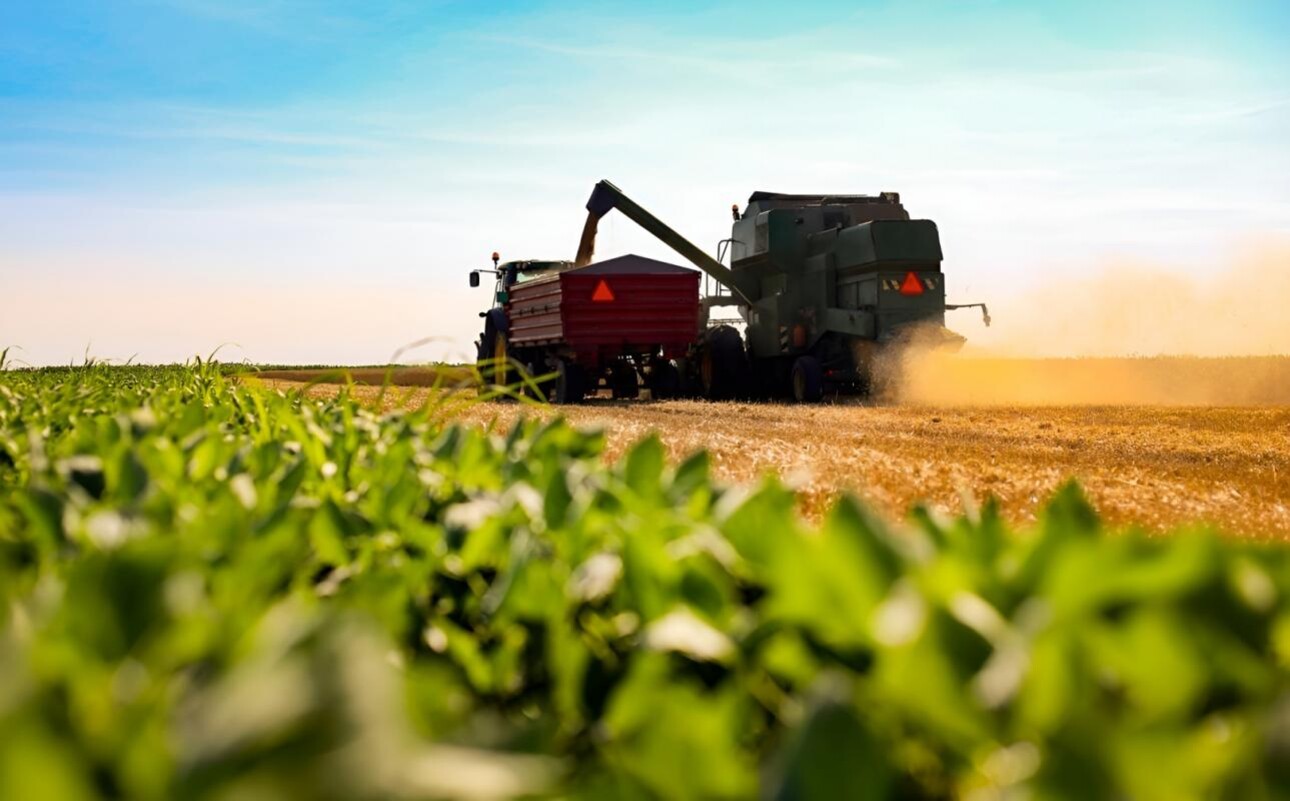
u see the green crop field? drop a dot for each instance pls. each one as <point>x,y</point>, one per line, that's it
<point>212,589</point>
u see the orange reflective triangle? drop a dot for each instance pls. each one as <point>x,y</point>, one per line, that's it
<point>604,294</point>
<point>911,286</point>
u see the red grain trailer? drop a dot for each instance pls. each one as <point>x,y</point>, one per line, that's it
<point>612,323</point>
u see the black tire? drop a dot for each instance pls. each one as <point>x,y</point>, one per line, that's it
<point>570,385</point>
<point>808,380</point>
<point>494,356</point>
<point>533,387</point>
<point>688,373</point>
<point>623,381</point>
<point>664,380</point>
<point>723,364</point>
<point>771,379</point>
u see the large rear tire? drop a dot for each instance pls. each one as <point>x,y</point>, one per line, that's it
<point>494,357</point>
<point>723,364</point>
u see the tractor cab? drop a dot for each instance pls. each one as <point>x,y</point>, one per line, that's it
<point>514,272</point>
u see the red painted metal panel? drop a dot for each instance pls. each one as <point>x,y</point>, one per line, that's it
<point>534,309</point>
<point>646,310</point>
<point>654,305</point>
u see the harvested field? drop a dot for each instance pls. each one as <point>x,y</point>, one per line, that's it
<point>1146,465</point>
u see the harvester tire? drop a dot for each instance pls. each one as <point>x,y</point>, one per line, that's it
<point>808,380</point>
<point>723,365</point>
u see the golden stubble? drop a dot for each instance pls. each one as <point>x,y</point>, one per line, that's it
<point>1157,467</point>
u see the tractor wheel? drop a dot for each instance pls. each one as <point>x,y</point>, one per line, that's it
<point>664,380</point>
<point>808,380</point>
<point>494,358</point>
<point>623,381</point>
<point>723,365</point>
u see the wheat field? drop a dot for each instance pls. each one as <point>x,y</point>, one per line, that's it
<point>1147,464</point>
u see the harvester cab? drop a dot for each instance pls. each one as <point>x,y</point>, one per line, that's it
<point>828,286</point>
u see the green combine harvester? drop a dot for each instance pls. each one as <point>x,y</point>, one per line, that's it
<point>826,288</point>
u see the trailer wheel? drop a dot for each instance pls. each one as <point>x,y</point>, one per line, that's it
<point>664,380</point>
<point>723,365</point>
<point>623,381</point>
<point>570,384</point>
<point>539,390</point>
<point>687,373</point>
<point>808,380</point>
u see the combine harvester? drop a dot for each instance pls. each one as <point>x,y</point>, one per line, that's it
<point>825,287</point>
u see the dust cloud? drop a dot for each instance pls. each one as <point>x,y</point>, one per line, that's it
<point>1126,334</point>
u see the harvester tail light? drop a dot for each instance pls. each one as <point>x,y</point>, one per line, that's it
<point>602,294</point>
<point>911,285</point>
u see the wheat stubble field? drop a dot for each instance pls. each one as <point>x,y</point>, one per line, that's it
<point>1143,460</point>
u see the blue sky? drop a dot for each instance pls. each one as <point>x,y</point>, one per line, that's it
<point>312,180</point>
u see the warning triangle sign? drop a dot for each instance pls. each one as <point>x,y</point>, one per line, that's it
<point>604,294</point>
<point>911,286</point>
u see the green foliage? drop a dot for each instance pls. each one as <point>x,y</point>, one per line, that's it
<point>211,590</point>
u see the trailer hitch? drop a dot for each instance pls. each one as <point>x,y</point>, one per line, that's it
<point>985,313</point>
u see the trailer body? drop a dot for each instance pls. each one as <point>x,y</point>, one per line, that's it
<point>628,306</point>
<point>572,330</point>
